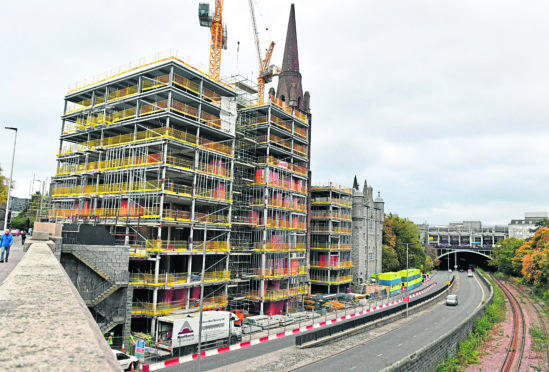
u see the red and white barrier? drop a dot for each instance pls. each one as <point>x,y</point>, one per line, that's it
<point>245,344</point>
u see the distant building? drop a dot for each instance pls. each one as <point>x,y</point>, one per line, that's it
<point>462,235</point>
<point>18,204</point>
<point>524,229</point>
<point>368,216</point>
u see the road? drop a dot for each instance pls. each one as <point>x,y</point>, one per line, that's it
<point>238,356</point>
<point>395,345</point>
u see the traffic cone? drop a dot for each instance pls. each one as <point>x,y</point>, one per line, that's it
<point>132,368</point>
<point>140,367</point>
<point>123,350</point>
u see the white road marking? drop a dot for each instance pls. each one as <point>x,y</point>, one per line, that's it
<point>353,367</point>
<point>380,354</point>
<point>399,344</point>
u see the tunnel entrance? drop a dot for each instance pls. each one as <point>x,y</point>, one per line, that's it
<point>464,260</point>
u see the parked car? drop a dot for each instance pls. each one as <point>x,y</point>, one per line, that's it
<point>452,300</point>
<point>15,232</point>
<point>126,361</point>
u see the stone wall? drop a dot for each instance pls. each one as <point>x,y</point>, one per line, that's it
<point>111,260</point>
<point>430,356</point>
<point>44,323</point>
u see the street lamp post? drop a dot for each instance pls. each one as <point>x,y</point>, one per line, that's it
<point>407,292</point>
<point>11,175</point>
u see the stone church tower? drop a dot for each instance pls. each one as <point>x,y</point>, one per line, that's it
<point>368,216</point>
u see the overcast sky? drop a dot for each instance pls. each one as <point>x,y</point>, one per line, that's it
<point>440,105</point>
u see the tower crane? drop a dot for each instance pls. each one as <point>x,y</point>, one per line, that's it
<point>266,72</point>
<point>218,34</point>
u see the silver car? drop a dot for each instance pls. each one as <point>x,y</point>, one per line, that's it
<point>452,300</point>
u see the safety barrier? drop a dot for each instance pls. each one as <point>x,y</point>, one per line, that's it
<point>325,246</point>
<point>329,265</point>
<point>164,308</point>
<point>284,203</point>
<point>270,160</point>
<point>277,294</point>
<point>148,135</point>
<point>369,317</point>
<point>278,247</point>
<point>173,279</point>
<point>272,273</point>
<point>332,279</point>
<point>331,215</point>
<point>341,189</point>
<point>328,200</point>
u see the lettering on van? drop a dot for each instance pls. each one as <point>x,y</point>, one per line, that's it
<point>186,331</point>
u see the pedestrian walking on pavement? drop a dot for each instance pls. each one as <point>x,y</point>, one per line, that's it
<point>6,241</point>
<point>23,237</point>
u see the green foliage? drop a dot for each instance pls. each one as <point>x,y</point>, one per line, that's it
<point>396,232</point>
<point>541,341</point>
<point>504,252</point>
<point>3,188</point>
<point>390,259</point>
<point>468,351</point>
<point>544,222</point>
<point>20,222</point>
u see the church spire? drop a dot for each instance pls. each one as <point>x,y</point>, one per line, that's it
<point>289,81</point>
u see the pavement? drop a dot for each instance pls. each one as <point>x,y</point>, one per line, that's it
<point>16,253</point>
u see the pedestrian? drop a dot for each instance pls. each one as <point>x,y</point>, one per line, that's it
<point>6,241</point>
<point>23,237</point>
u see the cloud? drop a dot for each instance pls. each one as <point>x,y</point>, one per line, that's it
<point>441,106</point>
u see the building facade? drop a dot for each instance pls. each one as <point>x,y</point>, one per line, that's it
<point>330,258</point>
<point>272,174</point>
<point>367,224</point>
<point>464,234</point>
<point>159,210</point>
<point>149,154</point>
<point>525,228</point>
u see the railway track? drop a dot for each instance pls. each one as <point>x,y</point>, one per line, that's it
<point>515,351</point>
<point>539,317</point>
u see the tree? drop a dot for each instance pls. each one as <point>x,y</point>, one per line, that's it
<point>504,252</point>
<point>533,258</point>
<point>389,261</point>
<point>3,188</point>
<point>544,222</point>
<point>428,264</point>
<point>396,232</point>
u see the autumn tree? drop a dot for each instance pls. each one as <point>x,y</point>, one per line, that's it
<point>3,188</point>
<point>533,258</point>
<point>396,232</point>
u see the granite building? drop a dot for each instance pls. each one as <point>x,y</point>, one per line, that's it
<point>367,226</point>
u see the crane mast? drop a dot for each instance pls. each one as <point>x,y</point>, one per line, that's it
<point>218,35</point>
<point>216,43</point>
<point>265,74</point>
<point>256,35</point>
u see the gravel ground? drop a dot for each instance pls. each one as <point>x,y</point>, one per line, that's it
<point>493,352</point>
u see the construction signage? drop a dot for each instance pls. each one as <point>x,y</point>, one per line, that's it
<point>140,350</point>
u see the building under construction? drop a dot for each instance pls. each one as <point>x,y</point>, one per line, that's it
<point>173,174</point>
<point>331,220</point>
